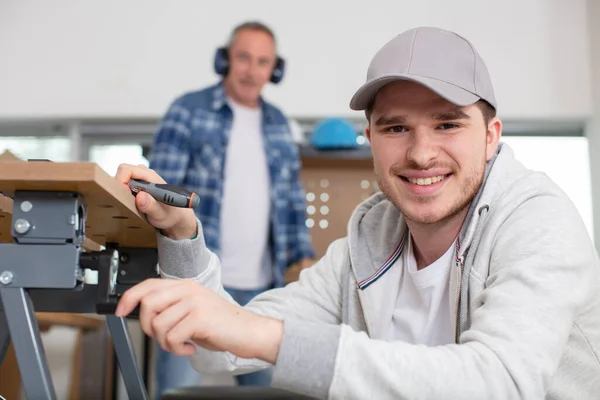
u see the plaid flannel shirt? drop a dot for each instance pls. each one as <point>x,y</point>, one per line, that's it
<point>189,150</point>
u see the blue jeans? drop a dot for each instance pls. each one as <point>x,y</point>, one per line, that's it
<point>176,371</point>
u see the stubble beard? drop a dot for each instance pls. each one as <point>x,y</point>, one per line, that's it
<point>470,187</point>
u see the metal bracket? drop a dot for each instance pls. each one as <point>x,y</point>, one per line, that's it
<point>40,266</point>
<point>40,222</point>
<point>48,218</point>
<point>118,270</point>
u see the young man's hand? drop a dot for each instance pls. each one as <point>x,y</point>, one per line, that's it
<point>175,312</point>
<point>177,223</point>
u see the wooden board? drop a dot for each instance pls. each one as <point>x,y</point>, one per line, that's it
<point>111,212</point>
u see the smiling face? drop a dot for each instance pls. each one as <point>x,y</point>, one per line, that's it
<point>429,154</point>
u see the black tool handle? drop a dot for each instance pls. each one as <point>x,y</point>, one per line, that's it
<point>172,195</point>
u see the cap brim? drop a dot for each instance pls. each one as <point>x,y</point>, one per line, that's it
<point>454,94</point>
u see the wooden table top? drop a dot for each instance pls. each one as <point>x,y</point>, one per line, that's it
<point>111,212</point>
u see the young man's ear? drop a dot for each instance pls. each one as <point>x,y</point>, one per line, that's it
<point>368,132</point>
<point>494,133</point>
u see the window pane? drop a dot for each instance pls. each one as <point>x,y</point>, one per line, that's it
<point>56,149</point>
<point>108,157</point>
<point>566,160</point>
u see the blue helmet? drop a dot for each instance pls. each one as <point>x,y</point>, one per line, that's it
<point>334,133</point>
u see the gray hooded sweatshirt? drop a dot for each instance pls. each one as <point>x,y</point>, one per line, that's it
<point>524,298</point>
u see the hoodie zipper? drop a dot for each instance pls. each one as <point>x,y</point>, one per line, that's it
<point>461,261</point>
<point>476,238</point>
<point>457,327</point>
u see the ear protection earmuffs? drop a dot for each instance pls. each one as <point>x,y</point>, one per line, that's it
<point>221,65</point>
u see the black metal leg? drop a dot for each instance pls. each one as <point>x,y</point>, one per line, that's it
<point>147,346</point>
<point>4,334</point>
<point>130,370</point>
<point>27,342</point>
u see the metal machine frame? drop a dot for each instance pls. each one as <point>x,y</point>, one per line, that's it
<point>43,270</point>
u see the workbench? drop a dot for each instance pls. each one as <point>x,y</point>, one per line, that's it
<point>57,222</point>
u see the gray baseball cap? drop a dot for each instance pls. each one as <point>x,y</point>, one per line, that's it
<point>440,60</point>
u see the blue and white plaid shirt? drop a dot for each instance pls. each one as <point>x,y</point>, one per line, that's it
<point>189,150</point>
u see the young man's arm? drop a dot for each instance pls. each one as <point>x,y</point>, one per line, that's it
<point>314,298</point>
<point>171,144</point>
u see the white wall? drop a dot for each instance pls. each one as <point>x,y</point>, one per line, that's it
<point>68,58</point>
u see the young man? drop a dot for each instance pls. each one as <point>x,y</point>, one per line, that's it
<point>236,151</point>
<point>469,277</point>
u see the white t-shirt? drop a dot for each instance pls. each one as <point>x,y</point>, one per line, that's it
<point>245,209</point>
<point>422,313</point>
